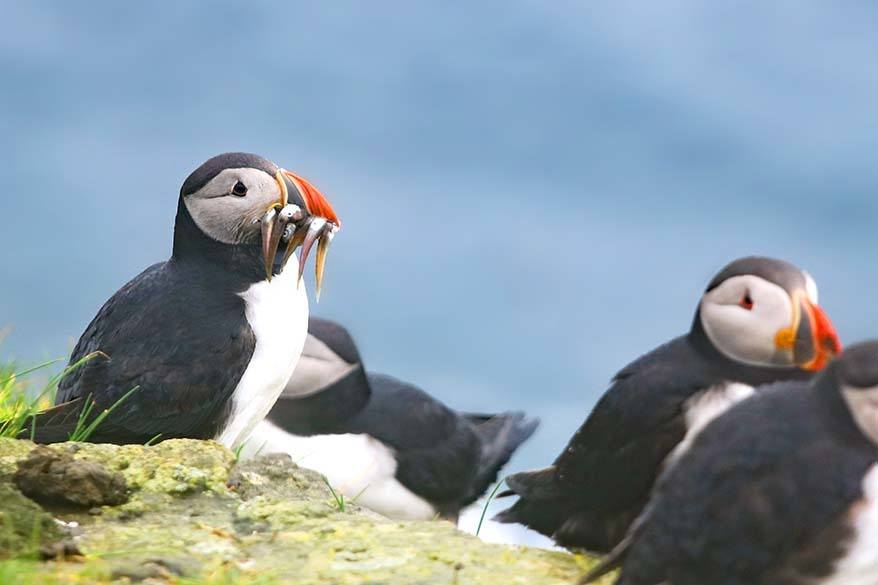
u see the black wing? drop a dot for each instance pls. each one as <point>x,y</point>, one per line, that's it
<point>446,457</point>
<point>165,338</point>
<point>601,481</point>
<point>437,451</point>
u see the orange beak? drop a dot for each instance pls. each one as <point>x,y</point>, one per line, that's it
<point>314,199</point>
<point>811,338</point>
<point>302,217</point>
<point>824,339</point>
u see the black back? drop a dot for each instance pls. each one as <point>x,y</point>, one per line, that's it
<point>761,497</point>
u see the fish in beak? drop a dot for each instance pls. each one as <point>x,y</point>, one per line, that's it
<point>301,217</point>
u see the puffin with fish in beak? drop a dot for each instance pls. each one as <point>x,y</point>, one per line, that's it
<point>200,346</point>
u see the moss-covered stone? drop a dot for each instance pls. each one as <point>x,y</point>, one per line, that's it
<point>193,515</point>
<point>52,476</point>
<point>25,528</point>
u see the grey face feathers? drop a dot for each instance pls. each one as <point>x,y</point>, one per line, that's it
<point>230,205</point>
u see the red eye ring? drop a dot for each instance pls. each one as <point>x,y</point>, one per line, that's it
<point>746,302</point>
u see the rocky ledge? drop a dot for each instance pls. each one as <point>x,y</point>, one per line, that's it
<point>185,512</point>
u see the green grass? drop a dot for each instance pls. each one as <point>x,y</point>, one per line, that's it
<point>19,406</point>
<point>85,429</point>
<point>490,499</point>
<point>239,449</point>
<point>337,497</point>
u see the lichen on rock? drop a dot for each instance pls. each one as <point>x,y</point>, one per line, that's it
<point>193,514</point>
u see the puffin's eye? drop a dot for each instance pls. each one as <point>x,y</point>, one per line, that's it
<point>747,301</point>
<point>239,190</point>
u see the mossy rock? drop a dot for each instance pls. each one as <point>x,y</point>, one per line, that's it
<point>25,529</point>
<point>193,516</point>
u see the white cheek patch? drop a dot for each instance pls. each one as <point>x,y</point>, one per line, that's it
<point>221,215</point>
<point>747,336</point>
<point>863,405</point>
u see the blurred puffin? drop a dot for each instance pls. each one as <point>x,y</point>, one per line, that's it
<point>218,301</point>
<point>758,322</point>
<point>782,489</point>
<point>383,442</point>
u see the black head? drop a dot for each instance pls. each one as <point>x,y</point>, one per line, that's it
<point>784,274</point>
<point>230,160</point>
<point>241,199</point>
<point>763,312</point>
<point>336,338</point>
<point>855,374</point>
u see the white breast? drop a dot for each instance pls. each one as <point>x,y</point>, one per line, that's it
<point>859,566</point>
<point>702,408</point>
<point>277,312</point>
<point>359,466</point>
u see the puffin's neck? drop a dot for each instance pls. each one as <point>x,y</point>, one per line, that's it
<point>736,371</point>
<point>234,265</point>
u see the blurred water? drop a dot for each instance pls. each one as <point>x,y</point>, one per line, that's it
<point>533,193</point>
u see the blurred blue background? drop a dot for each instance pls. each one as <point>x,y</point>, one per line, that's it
<point>533,193</point>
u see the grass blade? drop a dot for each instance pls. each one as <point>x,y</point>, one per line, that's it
<point>29,371</point>
<point>488,503</point>
<point>82,432</point>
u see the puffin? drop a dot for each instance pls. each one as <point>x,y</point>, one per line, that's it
<point>758,322</point>
<point>781,489</point>
<point>384,443</point>
<point>200,346</point>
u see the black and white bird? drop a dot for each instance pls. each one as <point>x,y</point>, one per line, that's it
<point>206,341</point>
<point>780,490</point>
<point>383,442</point>
<point>758,322</point>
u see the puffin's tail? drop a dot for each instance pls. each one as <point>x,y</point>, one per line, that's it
<point>543,506</point>
<point>59,423</point>
<point>52,425</point>
<point>500,436</point>
<point>540,504</point>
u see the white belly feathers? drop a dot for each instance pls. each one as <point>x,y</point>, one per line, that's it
<point>859,565</point>
<point>277,312</point>
<point>359,466</point>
